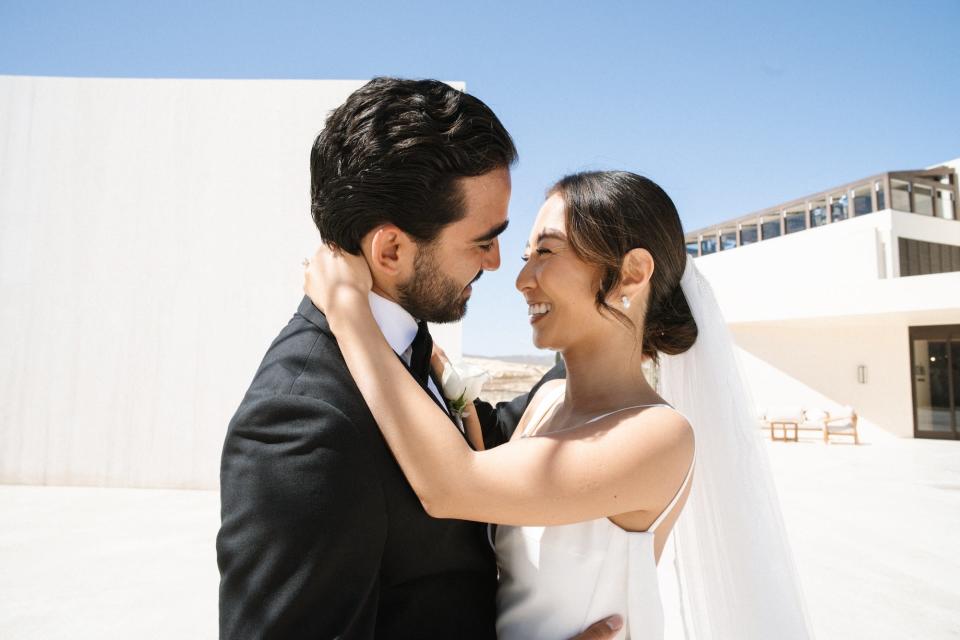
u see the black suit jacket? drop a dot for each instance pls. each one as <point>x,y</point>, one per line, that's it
<point>321,535</point>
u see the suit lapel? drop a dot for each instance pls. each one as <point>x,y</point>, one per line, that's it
<point>312,314</point>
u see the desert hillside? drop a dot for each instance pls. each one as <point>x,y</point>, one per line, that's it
<point>509,379</point>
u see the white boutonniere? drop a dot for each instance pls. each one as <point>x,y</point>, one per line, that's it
<point>462,384</point>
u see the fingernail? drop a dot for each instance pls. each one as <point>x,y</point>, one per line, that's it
<point>614,622</point>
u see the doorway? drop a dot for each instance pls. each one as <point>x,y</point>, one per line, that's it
<point>935,363</point>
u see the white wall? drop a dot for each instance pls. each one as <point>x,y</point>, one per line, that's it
<point>841,269</point>
<point>151,233</point>
<point>815,366</point>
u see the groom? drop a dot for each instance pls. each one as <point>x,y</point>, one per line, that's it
<point>321,534</point>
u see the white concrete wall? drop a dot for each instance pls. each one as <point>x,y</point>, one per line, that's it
<point>842,269</point>
<point>814,365</point>
<point>151,233</point>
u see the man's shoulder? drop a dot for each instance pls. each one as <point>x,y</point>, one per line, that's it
<point>303,374</point>
<point>304,359</point>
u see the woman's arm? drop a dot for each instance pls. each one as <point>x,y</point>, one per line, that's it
<point>589,472</point>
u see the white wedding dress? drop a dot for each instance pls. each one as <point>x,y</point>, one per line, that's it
<point>555,581</point>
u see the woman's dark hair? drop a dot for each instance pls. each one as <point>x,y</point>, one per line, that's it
<point>608,213</point>
<point>393,152</point>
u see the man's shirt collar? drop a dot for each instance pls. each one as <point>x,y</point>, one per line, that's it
<point>396,323</point>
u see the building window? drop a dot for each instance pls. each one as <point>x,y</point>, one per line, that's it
<point>881,193</point>
<point>693,249</point>
<point>922,200</point>
<point>839,204</point>
<point>708,246</point>
<point>862,200</point>
<point>748,234</point>
<point>769,227</point>
<point>795,219</point>
<point>947,208</point>
<point>918,258</point>
<point>901,195</point>
<point>728,239</point>
<point>818,213</point>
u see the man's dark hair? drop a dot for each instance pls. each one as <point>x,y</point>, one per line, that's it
<point>393,152</point>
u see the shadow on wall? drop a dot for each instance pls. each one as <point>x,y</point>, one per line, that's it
<point>815,365</point>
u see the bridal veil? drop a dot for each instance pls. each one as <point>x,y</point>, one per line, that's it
<point>730,572</point>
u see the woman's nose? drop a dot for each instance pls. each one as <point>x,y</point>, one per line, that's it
<point>525,277</point>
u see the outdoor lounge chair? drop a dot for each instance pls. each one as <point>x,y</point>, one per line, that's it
<point>841,422</point>
<point>814,420</point>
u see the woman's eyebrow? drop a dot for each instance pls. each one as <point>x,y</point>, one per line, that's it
<point>556,234</point>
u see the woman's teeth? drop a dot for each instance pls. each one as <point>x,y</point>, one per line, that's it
<point>538,309</point>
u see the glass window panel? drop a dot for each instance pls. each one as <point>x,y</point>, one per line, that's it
<point>881,193</point>
<point>862,200</point>
<point>748,234</point>
<point>947,209</point>
<point>692,248</point>
<point>708,246</point>
<point>795,219</point>
<point>901,195</point>
<point>931,379</point>
<point>839,207</point>
<point>728,239</point>
<point>922,200</point>
<point>818,213</point>
<point>769,227</point>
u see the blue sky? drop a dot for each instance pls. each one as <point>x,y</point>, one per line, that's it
<point>731,107</point>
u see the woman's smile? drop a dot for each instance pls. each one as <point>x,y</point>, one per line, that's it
<point>538,310</point>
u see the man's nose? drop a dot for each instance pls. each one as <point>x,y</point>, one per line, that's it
<point>491,261</point>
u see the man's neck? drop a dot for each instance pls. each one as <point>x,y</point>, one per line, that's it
<point>383,294</point>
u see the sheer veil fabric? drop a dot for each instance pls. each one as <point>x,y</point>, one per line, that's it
<point>730,572</point>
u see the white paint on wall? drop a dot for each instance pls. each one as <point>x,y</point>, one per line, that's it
<point>814,365</point>
<point>151,234</point>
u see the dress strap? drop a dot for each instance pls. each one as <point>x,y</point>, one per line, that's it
<point>615,411</point>
<point>546,403</point>
<point>676,498</point>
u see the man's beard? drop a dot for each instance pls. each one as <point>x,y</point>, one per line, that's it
<point>429,294</point>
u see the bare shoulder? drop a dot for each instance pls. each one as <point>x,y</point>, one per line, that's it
<point>663,423</point>
<point>659,434</point>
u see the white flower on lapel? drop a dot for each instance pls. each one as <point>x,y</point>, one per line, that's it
<point>462,384</point>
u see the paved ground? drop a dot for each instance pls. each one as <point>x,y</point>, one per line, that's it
<point>876,532</point>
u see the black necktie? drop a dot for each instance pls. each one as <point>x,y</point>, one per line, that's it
<point>422,349</point>
<point>420,354</point>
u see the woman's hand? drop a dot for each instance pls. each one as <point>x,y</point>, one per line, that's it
<point>438,361</point>
<point>334,278</point>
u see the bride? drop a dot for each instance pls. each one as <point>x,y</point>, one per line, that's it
<point>602,468</point>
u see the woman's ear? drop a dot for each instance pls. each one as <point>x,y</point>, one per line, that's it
<point>635,273</point>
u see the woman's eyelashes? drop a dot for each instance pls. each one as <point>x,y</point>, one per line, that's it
<point>540,251</point>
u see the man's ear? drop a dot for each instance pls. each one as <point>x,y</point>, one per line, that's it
<point>635,273</point>
<point>389,252</point>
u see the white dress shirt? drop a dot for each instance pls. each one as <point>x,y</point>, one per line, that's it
<point>399,328</point>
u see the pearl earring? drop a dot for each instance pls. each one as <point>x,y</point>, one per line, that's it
<point>625,301</point>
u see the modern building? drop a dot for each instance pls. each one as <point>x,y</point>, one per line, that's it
<point>849,296</point>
